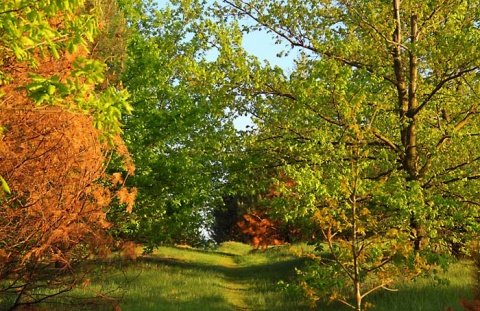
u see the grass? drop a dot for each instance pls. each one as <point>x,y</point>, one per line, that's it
<point>424,294</point>
<point>233,277</point>
<point>230,278</point>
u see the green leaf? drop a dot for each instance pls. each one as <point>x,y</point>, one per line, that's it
<point>51,89</point>
<point>5,186</point>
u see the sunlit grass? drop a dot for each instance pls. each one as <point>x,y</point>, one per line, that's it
<point>233,277</point>
<point>424,293</point>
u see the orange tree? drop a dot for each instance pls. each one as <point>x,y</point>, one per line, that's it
<point>57,133</point>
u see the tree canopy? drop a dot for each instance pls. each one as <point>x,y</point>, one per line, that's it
<point>180,130</point>
<point>376,124</point>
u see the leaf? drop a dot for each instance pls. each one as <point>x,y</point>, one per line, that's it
<point>4,185</point>
<point>51,89</point>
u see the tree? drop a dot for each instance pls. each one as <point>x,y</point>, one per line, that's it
<point>54,219</point>
<point>57,134</point>
<point>377,124</point>
<point>178,133</point>
<point>225,218</point>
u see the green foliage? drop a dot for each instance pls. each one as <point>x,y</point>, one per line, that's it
<point>5,188</point>
<point>179,131</point>
<point>26,26</point>
<point>377,125</point>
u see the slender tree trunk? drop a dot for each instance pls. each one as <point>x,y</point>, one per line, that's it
<point>357,281</point>
<point>358,296</point>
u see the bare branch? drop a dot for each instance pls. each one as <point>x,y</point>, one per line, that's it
<point>386,141</point>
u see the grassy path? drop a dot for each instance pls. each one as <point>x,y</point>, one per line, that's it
<point>234,285</point>
<point>232,277</point>
<point>251,277</point>
<point>229,278</point>
<point>236,288</point>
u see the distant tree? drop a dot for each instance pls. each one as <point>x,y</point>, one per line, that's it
<point>261,230</point>
<point>261,225</point>
<point>225,218</point>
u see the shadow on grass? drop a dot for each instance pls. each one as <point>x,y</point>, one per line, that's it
<point>254,287</point>
<point>438,298</point>
<point>211,303</point>
<point>274,271</point>
<point>209,286</point>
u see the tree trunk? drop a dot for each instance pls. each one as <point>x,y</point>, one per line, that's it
<point>408,105</point>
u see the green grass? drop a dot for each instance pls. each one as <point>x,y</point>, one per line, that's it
<point>424,294</point>
<point>233,277</point>
<point>229,278</point>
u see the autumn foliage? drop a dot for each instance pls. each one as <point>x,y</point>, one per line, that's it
<point>261,230</point>
<point>53,158</point>
<point>54,216</point>
<point>264,230</point>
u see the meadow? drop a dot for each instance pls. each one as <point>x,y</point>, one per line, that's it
<point>235,277</point>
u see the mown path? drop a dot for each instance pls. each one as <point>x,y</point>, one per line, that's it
<point>232,277</point>
<point>235,283</point>
<point>228,278</point>
<point>237,287</point>
<point>243,278</point>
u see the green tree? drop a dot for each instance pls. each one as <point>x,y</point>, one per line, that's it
<point>377,124</point>
<point>179,130</point>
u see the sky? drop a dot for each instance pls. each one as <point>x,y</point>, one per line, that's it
<point>262,45</point>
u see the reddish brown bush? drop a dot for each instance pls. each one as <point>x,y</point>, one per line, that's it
<point>261,230</point>
<point>54,218</point>
<point>264,230</point>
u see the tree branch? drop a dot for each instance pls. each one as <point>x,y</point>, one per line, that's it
<point>386,140</point>
<point>298,42</point>
<point>381,285</point>
<point>450,77</point>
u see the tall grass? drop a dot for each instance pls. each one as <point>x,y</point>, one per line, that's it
<point>233,277</point>
<point>424,293</point>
